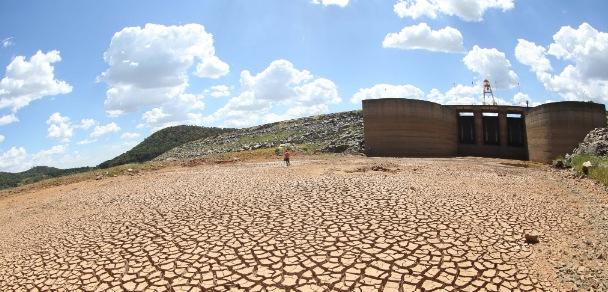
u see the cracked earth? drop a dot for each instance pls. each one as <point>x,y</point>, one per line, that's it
<point>330,224</point>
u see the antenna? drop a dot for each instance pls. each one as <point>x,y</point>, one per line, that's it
<point>487,92</point>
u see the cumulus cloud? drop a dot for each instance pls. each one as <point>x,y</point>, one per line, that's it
<point>279,85</point>
<point>493,65</point>
<point>2,138</point>
<point>102,130</point>
<point>387,91</point>
<point>60,127</point>
<point>457,95</point>
<point>45,157</point>
<point>421,36</point>
<point>13,159</point>
<point>149,66</point>
<point>8,119</point>
<point>585,51</point>
<point>87,123</point>
<point>29,80</point>
<point>530,54</point>
<point>180,111</point>
<point>219,91</point>
<point>341,3</point>
<point>17,159</point>
<point>469,10</point>
<point>522,99</point>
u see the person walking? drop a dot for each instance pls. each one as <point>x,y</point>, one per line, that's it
<point>286,157</point>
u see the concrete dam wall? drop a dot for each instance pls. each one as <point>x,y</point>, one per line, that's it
<point>407,127</point>
<point>399,127</point>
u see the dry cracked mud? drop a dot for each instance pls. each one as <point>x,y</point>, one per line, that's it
<point>321,225</point>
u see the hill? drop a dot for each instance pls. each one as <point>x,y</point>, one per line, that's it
<point>38,173</point>
<point>335,133</point>
<point>162,141</point>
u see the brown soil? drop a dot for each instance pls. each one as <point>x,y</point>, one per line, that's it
<point>391,225</point>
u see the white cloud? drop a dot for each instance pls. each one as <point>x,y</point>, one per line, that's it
<point>457,95</point>
<point>29,80</point>
<point>493,65</point>
<point>421,36</point>
<point>13,159</point>
<point>149,66</point>
<point>387,91</point>
<point>60,127</point>
<point>212,67</point>
<point>175,113</point>
<point>585,51</point>
<point>279,85</point>
<point>341,3</point>
<point>87,141</point>
<point>102,130</point>
<point>45,157</point>
<point>530,54</point>
<point>8,119</point>
<point>17,159</point>
<point>467,10</point>
<point>522,99</point>
<point>129,136</point>
<point>219,91</point>
<point>2,138</point>
<point>7,42</point>
<point>87,123</point>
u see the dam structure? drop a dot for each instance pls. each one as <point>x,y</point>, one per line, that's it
<point>401,127</point>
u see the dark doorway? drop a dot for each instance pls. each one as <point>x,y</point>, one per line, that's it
<point>515,126</point>
<point>491,132</point>
<point>466,128</point>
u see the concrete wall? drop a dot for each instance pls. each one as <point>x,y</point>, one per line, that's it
<point>555,129</point>
<point>503,150</point>
<point>406,127</point>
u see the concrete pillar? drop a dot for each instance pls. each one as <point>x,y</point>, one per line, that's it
<point>503,129</point>
<point>478,128</point>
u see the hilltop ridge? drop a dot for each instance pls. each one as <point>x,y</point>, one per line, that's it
<point>330,133</point>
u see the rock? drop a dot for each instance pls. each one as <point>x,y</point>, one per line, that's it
<point>130,170</point>
<point>331,133</point>
<point>559,164</point>
<point>595,143</point>
<point>99,177</point>
<point>531,238</point>
<point>586,166</point>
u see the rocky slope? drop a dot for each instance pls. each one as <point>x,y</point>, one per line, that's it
<point>595,143</point>
<point>162,141</point>
<point>337,133</point>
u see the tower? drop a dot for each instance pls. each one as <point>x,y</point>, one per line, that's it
<point>487,92</point>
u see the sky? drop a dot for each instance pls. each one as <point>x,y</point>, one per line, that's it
<point>83,81</point>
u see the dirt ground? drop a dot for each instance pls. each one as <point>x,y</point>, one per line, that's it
<point>324,224</point>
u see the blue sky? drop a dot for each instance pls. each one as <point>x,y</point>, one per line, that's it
<point>83,81</point>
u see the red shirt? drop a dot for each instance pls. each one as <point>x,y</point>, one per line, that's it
<point>286,156</point>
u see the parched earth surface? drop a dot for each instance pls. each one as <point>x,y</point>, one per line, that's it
<point>324,224</point>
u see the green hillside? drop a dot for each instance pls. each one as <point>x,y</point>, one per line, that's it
<point>162,141</point>
<point>38,173</point>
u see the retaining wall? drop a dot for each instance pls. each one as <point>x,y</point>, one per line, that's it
<point>406,127</point>
<point>555,129</point>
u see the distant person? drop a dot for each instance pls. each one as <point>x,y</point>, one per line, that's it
<point>286,157</point>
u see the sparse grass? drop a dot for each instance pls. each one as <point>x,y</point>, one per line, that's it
<point>279,135</point>
<point>599,170</point>
<point>90,175</point>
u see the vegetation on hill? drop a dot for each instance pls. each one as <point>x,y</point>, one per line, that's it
<point>162,141</point>
<point>328,133</point>
<point>38,173</point>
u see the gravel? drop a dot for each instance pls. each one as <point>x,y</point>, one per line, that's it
<point>331,133</point>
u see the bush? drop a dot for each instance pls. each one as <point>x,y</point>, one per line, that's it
<point>599,170</point>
